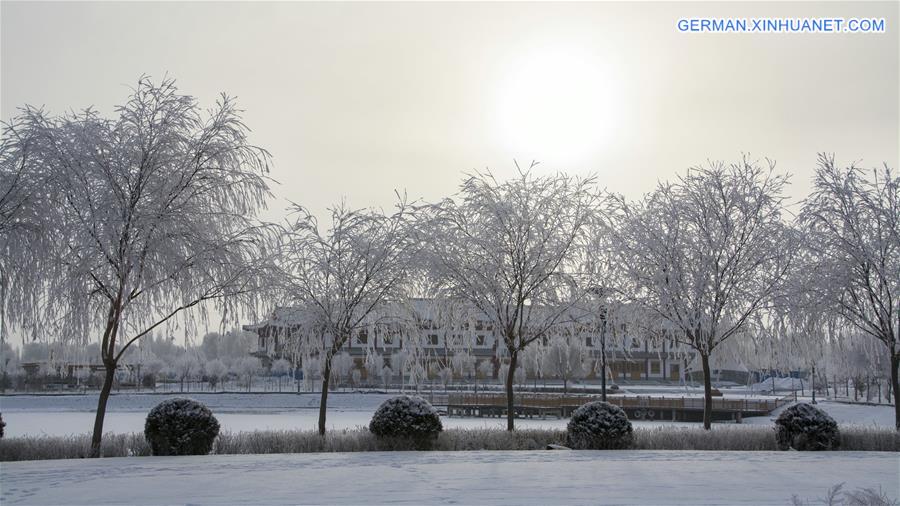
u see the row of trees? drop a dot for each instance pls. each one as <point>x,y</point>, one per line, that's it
<point>114,228</point>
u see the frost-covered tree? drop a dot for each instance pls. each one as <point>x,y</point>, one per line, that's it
<point>247,367</point>
<point>565,358</point>
<point>706,254</point>
<point>386,374</point>
<point>341,365</point>
<point>9,365</point>
<point>485,369</point>
<point>312,370</point>
<point>437,318</point>
<point>852,222</point>
<point>216,370</point>
<point>506,249</point>
<point>26,235</point>
<point>463,362</point>
<point>445,374</point>
<point>153,367</point>
<point>187,367</point>
<point>373,364</point>
<point>152,217</point>
<point>339,278</point>
<point>533,362</point>
<point>410,362</point>
<point>280,368</point>
<point>234,344</point>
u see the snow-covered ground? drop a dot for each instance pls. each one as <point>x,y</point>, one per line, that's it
<point>74,414</point>
<point>532,477</point>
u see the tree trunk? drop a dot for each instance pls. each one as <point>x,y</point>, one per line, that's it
<point>323,402</point>
<point>813,385</point>
<point>603,374</point>
<point>707,393</point>
<point>895,387</point>
<point>101,409</point>
<point>510,400</point>
<point>603,360</point>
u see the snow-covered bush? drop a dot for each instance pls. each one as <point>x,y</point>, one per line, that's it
<point>180,427</point>
<point>805,427</point>
<point>2,425</point>
<point>599,426</point>
<point>406,417</point>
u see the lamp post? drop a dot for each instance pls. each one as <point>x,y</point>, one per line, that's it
<point>603,313</point>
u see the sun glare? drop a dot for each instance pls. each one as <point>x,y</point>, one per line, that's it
<point>557,105</point>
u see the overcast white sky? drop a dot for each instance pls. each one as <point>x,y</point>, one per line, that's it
<point>355,100</point>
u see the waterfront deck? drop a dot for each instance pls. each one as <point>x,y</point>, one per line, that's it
<point>638,407</point>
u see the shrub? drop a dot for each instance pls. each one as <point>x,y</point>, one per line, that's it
<point>180,427</point>
<point>2,425</point>
<point>805,427</point>
<point>406,418</point>
<point>599,426</point>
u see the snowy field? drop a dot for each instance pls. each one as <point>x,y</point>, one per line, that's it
<point>73,414</point>
<point>533,477</point>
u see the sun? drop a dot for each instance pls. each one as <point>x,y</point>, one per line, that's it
<point>557,105</point>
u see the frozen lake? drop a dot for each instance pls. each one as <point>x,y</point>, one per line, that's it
<point>72,414</point>
<point>497,477</point>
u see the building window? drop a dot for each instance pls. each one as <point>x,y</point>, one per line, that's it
<point>433,339</point>
<point>654,367</point>
<point>479,340</point>
<point>363,336</point>
<point>588,342</point>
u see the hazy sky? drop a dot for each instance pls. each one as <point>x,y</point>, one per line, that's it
<point>355,100</point>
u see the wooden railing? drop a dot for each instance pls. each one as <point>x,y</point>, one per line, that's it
<point>640,401</point>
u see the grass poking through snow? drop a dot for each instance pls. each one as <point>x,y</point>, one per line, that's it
<point>721,438</point>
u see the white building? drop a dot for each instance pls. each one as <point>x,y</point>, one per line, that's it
<point>441,331</point>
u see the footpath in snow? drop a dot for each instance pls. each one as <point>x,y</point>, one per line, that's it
<point>523,477</point>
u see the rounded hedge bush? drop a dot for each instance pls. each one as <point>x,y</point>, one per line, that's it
<point>806,428</point>
<point>599,426</point>
<point>406,417</point>
<point>180,427</point>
